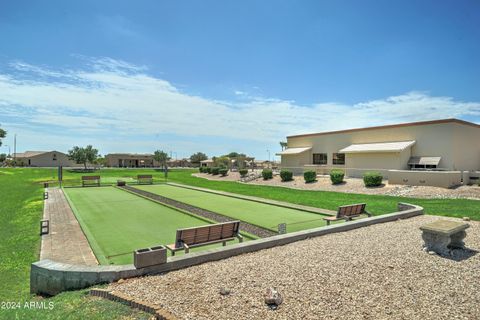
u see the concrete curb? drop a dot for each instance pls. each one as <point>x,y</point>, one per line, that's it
<point>49,277</point>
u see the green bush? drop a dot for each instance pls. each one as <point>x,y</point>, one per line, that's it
<point>201,169</point>
<point>286,175</point>
<point>336,176</point>
<point>208,170</point>
<point>267,174</point>
<point>243,172</point>
<point>215,170</point>
<point>372,179</point>
<point>310,176</point>
<point>223,171</point>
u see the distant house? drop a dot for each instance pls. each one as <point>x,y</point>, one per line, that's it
<point>130,160</point>
<point>43,159</point>
<point>206,163</point>
<point>179,163</point>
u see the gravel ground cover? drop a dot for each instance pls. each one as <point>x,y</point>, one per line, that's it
<point>355,185</point>
<point>376,272</point>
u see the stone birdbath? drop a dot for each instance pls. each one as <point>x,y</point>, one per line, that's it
<point>442,235</point>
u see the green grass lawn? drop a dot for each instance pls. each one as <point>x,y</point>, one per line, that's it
<point>117,222</point>
<point>260,214</point>
<point>21,207</point>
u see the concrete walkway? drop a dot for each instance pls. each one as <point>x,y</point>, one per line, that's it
<point>65,241</point>
<point>261,200</point>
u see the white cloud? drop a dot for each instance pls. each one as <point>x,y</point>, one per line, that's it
<point>118,98</point>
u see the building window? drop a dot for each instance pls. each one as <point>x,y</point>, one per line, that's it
<point>54,157</point>
<point>319,158</point>
<point>338,158</point>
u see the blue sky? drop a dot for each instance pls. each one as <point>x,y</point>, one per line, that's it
<point>218,76</point>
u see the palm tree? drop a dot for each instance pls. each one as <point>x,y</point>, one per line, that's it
<point>283,144</point>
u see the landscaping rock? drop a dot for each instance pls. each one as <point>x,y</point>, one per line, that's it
<point>224,291</point>
<point>273,297</point>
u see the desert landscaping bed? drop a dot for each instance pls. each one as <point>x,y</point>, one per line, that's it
<point>355,185</point>
<point>385,274</point>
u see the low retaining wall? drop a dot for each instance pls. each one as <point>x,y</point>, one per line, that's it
<point>444,179</point>
<point>50,278</point>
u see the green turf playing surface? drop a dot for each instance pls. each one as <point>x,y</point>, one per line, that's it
<point>116,222</point>
<point>260,214</point>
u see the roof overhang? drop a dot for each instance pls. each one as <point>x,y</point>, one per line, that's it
<point>293,151</point>
<point>380,147</point>
<point>424,161</point>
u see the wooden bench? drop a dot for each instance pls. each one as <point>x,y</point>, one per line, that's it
<point>349,212</point>
<point>44,227</point>
<point>145,179</point>
<point>205,235</point>
<point>90,181</point>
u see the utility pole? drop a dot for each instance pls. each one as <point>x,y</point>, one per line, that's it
<point>268,155</point>
<point>14,150</point>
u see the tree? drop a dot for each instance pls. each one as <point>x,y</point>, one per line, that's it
<point>3,134</point>
<point>283,144</point>
<point>83,155</point>
<point>3,157</point>
<point>222,161</point>
<point>235,155</point>
<point>161,157</point>
<point>197,157</point>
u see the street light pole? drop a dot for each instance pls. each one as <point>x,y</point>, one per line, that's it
<point>268,155</point>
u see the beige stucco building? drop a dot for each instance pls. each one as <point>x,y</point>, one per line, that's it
<point>130,160</point>
<point>43,159</point>
<point>441,145</point>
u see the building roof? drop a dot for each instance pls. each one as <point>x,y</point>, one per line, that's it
<point>424,160</point>
<point>420,123</point>
<point>378,147</point>
<point>28,154</point>
<point>130,154</point>
<point>293,151</point>
<point>206,161</point>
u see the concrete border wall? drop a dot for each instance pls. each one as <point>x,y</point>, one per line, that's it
<point>50,277</point>
<point>444,179</point>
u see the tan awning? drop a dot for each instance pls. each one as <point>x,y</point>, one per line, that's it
<point>289,151</point>
<point>378,147</point>
<point>434,161</point>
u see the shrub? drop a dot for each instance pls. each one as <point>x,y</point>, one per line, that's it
<point>207,170</point>
<point>286,175</point>
<point>243,172</point>
<point>267,174</point>
<point>336,176</point>
<point>223,171</point>
<point>201,169</point>
<point>372,179</point>
<point>215,170</point>
<point>310,176</point>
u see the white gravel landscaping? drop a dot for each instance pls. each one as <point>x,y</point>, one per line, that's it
<point>376,272</point>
